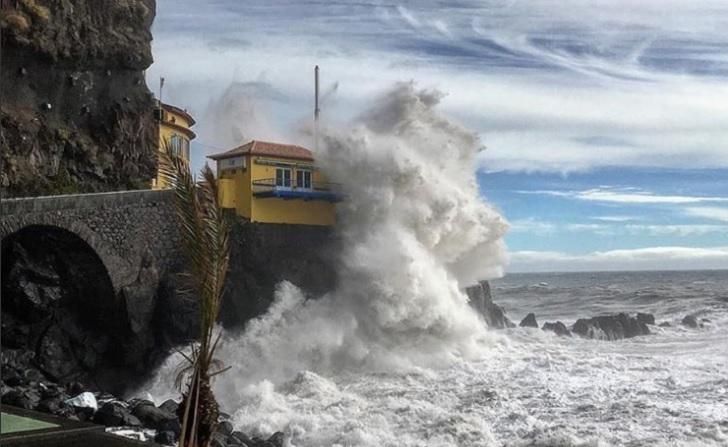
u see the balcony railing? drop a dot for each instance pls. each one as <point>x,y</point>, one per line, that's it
<point>327,191</point>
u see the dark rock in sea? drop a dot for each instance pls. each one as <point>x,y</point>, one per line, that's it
<point>559,328</point>
<point>156,418</point>
<point>529,321</point>
<point>481,299</point>
<point>169,405</point>
<point>277,439</point>
<point>218,440</point>
<point>610,327</point>
<point>691,322</point>
<point>165,437</point>
<point>665,324</point>
<point>646,318</point>
<point>225,427</point>
<point>241,438</point>
<point>116,414</point>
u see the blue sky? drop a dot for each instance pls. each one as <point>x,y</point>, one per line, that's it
<point>605,122</point>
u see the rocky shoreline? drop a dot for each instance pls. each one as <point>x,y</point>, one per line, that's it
<point>25,386</point>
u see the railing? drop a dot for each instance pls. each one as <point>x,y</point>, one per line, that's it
<point>325,191</point>
<point>269,184</point>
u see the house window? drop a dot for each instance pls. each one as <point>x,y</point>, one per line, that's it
<point>303,179</point>
<point>283,177</point>
<point>179,146</point>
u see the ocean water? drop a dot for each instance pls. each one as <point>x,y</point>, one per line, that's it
<point>525,387</point>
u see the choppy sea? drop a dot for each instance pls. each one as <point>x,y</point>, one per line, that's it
<point>530,387</point>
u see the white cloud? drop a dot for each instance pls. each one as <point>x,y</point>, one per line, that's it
<point>615,228</point>
<point>546,89</point>
<point>615,218</point>
<point>713,213</point>
<point>408,17</point>
<point>653,258</point>
<point>627,196</point>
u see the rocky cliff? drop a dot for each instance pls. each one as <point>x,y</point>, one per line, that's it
<point>76,113</point>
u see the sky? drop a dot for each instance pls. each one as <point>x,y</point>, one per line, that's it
<point>604,122</point>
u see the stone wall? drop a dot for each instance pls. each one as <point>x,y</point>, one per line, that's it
<point>121,226</point>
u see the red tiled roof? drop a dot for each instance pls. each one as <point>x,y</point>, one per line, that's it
<point>266,148</point>
<point>178,111</point>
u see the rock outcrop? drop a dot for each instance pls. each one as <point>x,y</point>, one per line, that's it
<point>529,321</point>
<point>611,327</point>
<point>481,299</point>
<point>76,113</point>
<point>558,328</point>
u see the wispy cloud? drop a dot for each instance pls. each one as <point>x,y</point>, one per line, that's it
<point>630,86</point>
<point>408,17</point>
<point>627,196</point>
<point>706,212</point>
<point>615,218</point>
<point>653,258</point>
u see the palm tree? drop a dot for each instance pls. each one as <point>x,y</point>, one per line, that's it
<point>204,232</point>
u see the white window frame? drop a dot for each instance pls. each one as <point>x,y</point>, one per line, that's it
<point>283,182</point>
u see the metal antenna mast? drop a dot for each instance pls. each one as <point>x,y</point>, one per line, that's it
<point>316,109</point>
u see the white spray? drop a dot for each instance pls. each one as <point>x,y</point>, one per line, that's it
<point>415,232</point>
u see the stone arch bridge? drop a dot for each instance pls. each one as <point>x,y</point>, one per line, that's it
<point>85,276</point>
<point>125,229</point>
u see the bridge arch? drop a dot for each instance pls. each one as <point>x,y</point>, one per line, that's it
<point>120,271</point>
<point>59,296</point>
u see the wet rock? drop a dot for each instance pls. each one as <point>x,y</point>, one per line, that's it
<point>242,438</point>
<point>646,318</point>
<point>165,438</point>
<point>665,324</point>
<point>156,418</point>
<point>481,299</point>
<point>558,328</point>
<point>610,327</point>
<point>529,321</point>
<point>276,439</point>
<point>85,400</point>
<point>51,405</point>
<point>691,322</point>
<point>218,440</point>
<point>116,414</point>
<point>26,398</point>
<point>170,406</point>
<point>225,427</point>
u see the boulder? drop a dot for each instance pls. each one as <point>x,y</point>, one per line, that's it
<point>169,405</point>
<point>610,327</point>
<point>665,324</point>
<point>116,414</point>
<point>156,418</point>
<point>242,438</point>
<point>165,438</point>
<point>558,328</point>
<point>529,321</point>
<point>277,439</point>
<point>691,322</point>
<point>225,427</point>
<point>85,400</point>
<point>481,299</point>
<point>646,318</point>
<point>26,398</point>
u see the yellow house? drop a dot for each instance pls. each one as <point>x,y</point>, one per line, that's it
<point>275,183</point>
<point>174,130</point>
